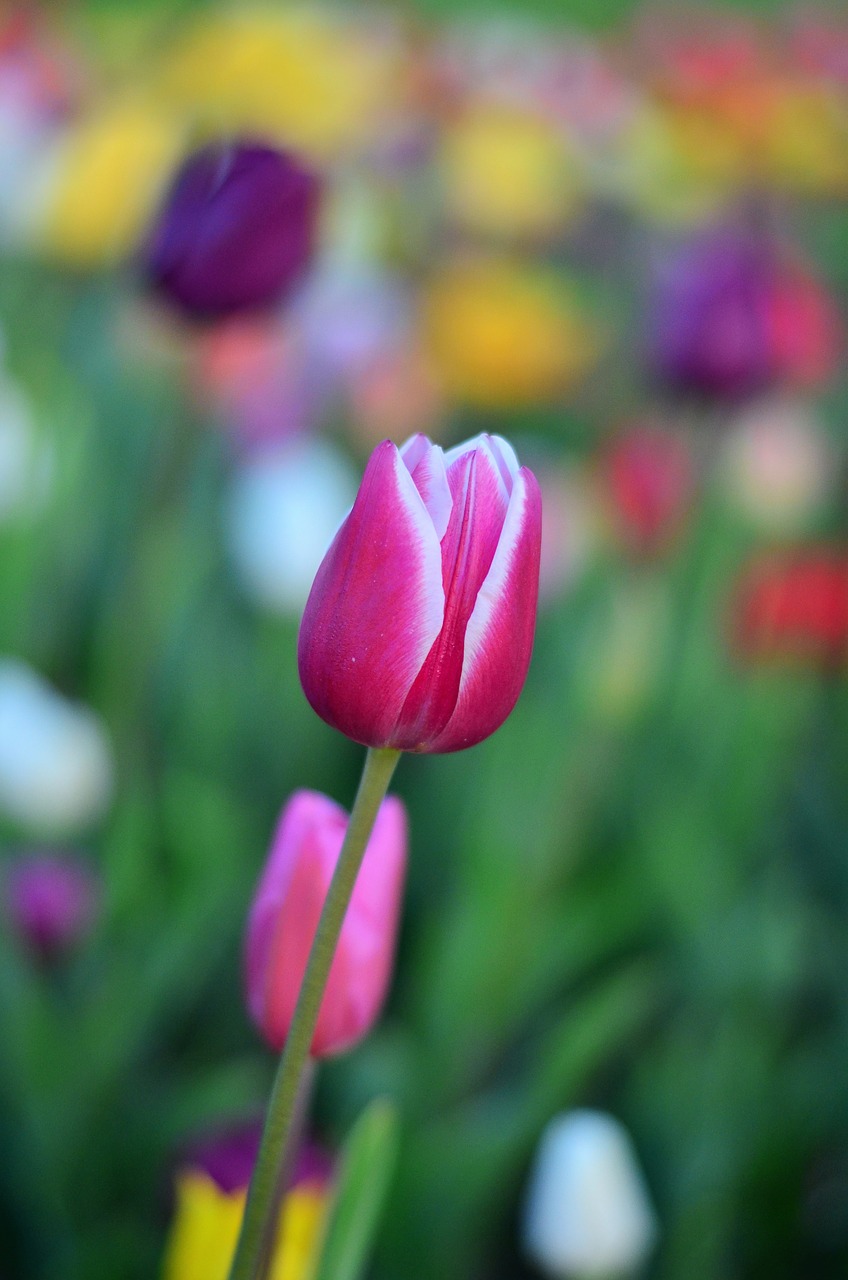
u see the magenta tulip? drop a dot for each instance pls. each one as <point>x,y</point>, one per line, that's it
<point>418,631</point>
<point>285,916</point>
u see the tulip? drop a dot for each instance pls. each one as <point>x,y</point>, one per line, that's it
<point>792,608</point>
<point>588,1212</point>
<point>89,199</point>
<point>210,1195</point>
<point>50,901</point>
<point>650,480</point>
<point>419,627</point>
<point>236,231</point>
<point>504,335</point>
<point>285,915</point>
<point>732,317</point>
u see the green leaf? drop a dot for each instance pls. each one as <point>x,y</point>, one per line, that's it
<point>367,1164</point>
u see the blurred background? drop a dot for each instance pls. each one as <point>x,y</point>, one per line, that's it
<point>616,234</point>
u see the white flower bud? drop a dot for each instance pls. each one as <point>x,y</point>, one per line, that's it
<point>285,507</point>
<point>56,769</point>
<point>588,1212</point>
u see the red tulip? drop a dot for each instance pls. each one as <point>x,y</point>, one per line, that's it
<point>793,607</point>
<point>285,915</point>
<point>419,627</point>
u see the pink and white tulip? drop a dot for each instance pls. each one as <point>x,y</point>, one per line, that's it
<point>285,915</point>
<point>419,627</point>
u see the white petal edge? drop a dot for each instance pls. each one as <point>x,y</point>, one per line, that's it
<point>433,479</point>
<point>433,594</point>
<point>491,592</point>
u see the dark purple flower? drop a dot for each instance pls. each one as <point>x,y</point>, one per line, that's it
<point>710,324</point>
<point>228,1155</point>
<point>236,231</point>
<point>51,901</point>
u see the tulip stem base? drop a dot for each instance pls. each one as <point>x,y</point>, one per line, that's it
<point>250,1260</point>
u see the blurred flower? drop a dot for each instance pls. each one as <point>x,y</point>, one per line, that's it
<point>236,231</point>
<point>507,172</point>
<point>55,761</point>
<point>252,374</point>
<point>667,172</point>
<point>503,335</point>
<point>90,201</point>
<point>569,529</point>
<point>395,392</point>
<point>285,915</point>
<point>819,43</point>
<point>419,627</point>
<point>731,317</point>
<point>26,460</point>
<point>210,1193</point>
<point>315,81</point>
<point>791,607</point>
<point>650,485</point>
<point>777,463</point>
<point>285,505</point>
<point>803,326</point>
<point>588,1213</point>
<point>807,147</point>
<point>349,314</point>
<point>51,901</point>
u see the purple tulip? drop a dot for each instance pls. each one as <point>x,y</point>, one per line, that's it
<point>51,901</point>
<point>236,231</point>
<point>710,327</point>
<point>419,627</point>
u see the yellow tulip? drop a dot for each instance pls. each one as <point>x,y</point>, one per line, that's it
<point>297,78</point>
<point>807,148</point>
<point>507,172</point>
<point>104,182</point>
<point>502,335</point>
<point>206,1225</point>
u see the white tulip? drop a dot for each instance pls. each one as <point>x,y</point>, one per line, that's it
<point>285,507</point>
<point>588,1213</point>
<point>56,771</point>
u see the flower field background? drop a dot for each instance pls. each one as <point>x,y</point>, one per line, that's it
<point>617,235</point>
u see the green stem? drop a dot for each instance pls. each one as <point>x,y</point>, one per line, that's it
<point>261,1207</point>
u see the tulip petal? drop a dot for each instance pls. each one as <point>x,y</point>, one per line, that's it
<point>306,811</point>
<point>362,966</point>
<point>468,547</point>
<point>426,464</point>
<point>499,635</point>
<point>498,452</point>
<point>376,606</point>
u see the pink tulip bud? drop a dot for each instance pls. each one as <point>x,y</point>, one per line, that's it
<point>285,915</point>
<point>418,630</point>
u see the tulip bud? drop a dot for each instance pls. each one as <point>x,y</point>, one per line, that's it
<point>236,231</point>
<point>588,1212</point>
<point>419,627</point>
<point>50,901</point>
<point>285,916</point>
<point>55,761</point>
